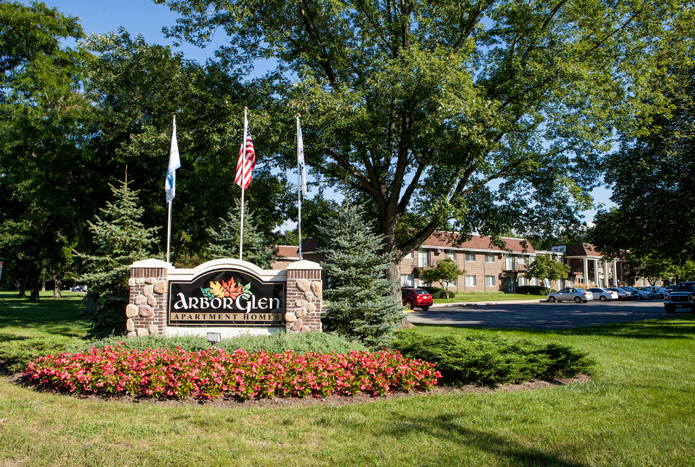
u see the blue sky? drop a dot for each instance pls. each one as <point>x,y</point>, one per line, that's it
<point>146,18</point>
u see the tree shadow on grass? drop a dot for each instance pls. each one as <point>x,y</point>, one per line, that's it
<point>446,426</point>
<point>677,327</point>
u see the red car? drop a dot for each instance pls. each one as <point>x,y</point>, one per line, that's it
<point>416,298</point>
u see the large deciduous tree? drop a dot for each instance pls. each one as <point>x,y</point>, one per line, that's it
<point>475,115</point>
<point>653,181</point>
<point>43,132</point>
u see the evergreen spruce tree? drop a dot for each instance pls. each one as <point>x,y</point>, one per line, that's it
<point>359,300</point>
<point>225,240</point>
<point>121,239</point>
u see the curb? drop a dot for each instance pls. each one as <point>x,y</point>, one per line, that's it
<point>511,302</point>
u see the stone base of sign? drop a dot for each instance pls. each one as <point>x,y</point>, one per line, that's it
<point>304,297</point>
<point>146,310</point>
<point>148,307</point>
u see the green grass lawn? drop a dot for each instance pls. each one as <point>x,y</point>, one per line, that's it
<point>639,410</point>
<point>480,297</point>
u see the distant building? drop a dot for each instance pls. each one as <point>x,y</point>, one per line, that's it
<point>490,267</point>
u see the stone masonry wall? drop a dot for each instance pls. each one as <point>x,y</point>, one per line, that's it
<point>146,310</point>
<point>304,300</point>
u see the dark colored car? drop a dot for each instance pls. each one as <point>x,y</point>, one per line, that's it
<point>419,298</point>
<point>683,296</point>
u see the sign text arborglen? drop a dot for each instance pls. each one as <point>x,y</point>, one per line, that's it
<point>226,298</point>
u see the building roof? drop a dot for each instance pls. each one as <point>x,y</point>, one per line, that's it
<point>477,242</point>
<point>582,249</point>
<point>291,252</point>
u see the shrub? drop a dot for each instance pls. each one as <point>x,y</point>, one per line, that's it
<point>438,292</point>
<point>483,360</point>
<point>18,352</point>
<point>531,289</point>
<point>210,373</point>
<point>275,343</point>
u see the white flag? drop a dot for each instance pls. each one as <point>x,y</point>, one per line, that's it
<point>174,163</point>
<point>300,157</point>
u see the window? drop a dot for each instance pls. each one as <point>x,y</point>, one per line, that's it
<point>489,281</point>
<point>470,281</point>
<point>423,258</point>
<point>489,257</point>
<point>408,256</point>
<point>532,281</point>
<point>470,256</point>
<point>451,254</point>
<point>521,260</point>
<point>407,280</point>
<point>509,266</point>
<point>522,281</point>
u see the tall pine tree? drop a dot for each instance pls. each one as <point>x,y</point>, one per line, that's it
<point>360,304</point>
<point>225,240</point>
<point>120,239</point>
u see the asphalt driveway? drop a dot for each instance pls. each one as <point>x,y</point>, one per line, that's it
<point>540,315</point>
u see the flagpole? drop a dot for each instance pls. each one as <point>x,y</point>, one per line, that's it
<point>243,188</point>
<point>170,201</point>
<point>299,194</point>
<point>169,232</point>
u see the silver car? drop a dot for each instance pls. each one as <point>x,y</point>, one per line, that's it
<point>603,294</point>
<point>622,293</point>
<point>659,290</point>
<point>648,290</point>
<point>638,294</point>
<point>571,293</point>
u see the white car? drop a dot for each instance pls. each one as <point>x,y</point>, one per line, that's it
<point>571,293</point>
<point>603,294</point>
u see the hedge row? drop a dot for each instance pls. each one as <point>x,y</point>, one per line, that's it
<point>484,360</point>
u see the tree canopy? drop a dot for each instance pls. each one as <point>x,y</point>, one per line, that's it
<point>481,116</point>
<point>653,181</point>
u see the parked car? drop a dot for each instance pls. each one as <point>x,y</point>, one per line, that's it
<point>79,288</point>
<point>603,294</point>
<point>622,293</point>
<point>671,288</point>
<point>683,297</point>
<point>660,291</point>
<point>571,293</point>
<point>650,292</point>
<point>419,298</point>
<point>638,294</point>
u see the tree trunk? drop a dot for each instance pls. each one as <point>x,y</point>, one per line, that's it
<point>23,289</point>
<point>34,297</point>
<point>56,288</point>
<point>43,285</point>
<point>394,277</point>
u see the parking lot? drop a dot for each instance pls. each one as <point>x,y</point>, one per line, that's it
<point>540,315</point>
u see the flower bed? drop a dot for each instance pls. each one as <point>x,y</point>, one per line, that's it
<point>211,373</point>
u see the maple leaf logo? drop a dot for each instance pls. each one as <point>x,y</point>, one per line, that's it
<point>217,289</point>
<point>231,289</point>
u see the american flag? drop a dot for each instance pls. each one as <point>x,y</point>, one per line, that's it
<point>245,165</point>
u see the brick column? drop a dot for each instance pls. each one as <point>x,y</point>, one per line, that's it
<point>304,297</point>
<point>146,310</point>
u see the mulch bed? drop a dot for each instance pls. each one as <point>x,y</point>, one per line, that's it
<point>333,401</point>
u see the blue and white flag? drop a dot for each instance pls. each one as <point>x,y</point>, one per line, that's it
<point>300,157</point>
<point>174,163</point>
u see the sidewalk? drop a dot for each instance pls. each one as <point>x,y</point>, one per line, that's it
<point>491,302</point>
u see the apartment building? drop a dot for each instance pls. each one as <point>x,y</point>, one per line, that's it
<point>489,267</point>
